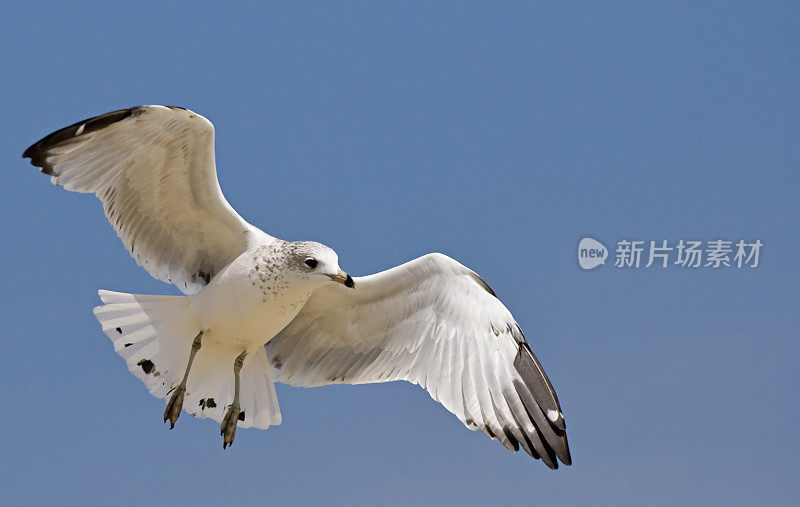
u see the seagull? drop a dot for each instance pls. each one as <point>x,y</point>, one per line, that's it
<point>257,309</point>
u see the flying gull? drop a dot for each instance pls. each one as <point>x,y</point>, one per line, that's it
<point>258,309</point>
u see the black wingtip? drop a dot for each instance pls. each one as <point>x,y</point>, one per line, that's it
<point>567,457</point>
<point>541,403</point>
<point>37,152</point>
<point>550,444</point>
<point>530,369</point>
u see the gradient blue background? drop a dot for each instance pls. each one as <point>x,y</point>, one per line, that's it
<point>497,134</point>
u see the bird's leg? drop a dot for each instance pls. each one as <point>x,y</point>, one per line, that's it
<point>175,403</point>
<point>228,427</point>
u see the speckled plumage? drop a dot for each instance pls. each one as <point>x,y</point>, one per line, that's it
<point>270,263</point>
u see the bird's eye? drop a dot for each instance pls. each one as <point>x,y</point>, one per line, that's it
<point>311,263</point>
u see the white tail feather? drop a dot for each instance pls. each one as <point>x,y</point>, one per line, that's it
<point>154,334</point>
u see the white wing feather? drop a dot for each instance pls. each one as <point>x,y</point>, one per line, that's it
<point>153,169</point>
<point>435,323</point>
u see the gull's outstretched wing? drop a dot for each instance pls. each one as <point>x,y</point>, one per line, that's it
<point>435,323</point>
<point>153,168</point>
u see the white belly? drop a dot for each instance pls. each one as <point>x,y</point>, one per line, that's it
<point>242,310</point>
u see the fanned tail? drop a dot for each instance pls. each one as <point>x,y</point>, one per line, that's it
<point>154,334</point>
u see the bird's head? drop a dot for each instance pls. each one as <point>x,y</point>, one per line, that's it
<point>318,263</point>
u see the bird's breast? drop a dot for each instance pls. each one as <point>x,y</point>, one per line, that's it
<point>248,306</point>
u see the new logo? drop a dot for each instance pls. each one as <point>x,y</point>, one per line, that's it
<point>591,253</point>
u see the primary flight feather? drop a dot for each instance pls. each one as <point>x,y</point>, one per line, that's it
<point>258,309</point>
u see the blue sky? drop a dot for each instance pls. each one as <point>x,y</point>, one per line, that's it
<point>499,135</point>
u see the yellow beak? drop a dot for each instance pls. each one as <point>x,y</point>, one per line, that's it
<point>344,279</point>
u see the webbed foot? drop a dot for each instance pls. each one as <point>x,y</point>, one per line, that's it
<point>175,405</point>
<point>228,427</point>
